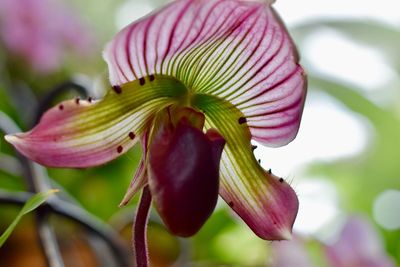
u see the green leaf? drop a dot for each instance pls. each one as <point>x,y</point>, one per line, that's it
<point>33,203</point>
<point>349,96</point>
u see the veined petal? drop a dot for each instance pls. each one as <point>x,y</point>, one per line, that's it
<point>80,133</point>
<point>236,50</point>
<point>264,201</point>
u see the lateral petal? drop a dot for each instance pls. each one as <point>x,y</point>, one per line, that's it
<point>80,134</point>
<point>264,201</point>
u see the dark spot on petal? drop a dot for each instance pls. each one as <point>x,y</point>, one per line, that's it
<point>230,203</point>
<point>119,149</point>
<point>151,77</point>
<point>253,147</point>
<point>269,171</point>
<point>131,135</point>
<point>242,120</point>
<point>117,89</point>
<point>90,99</point>
<point>259,161</point>
<point>61,107</point>
<point>281,180</point>
<point>77,100</point>
<point>142,81</point>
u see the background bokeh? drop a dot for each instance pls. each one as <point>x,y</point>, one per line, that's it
<point>345,162</point>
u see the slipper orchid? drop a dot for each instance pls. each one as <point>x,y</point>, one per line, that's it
<point>194,82</point>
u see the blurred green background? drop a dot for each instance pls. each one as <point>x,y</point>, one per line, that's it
<point>345,160</point>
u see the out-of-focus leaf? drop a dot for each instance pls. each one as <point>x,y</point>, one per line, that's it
<point>109,180</point>
<point>377,167</point>
<point>350,97</point>
<point>33,203</point>
<point>10,165</point>
<point>374,34</point>
<point>217,224</point>
<point>361,178</point>
<point>5,103</point>
<point>237,246</point>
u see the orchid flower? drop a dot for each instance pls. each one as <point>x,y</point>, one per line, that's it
<point>359,245</point>
<point>194,82</point>
<point>39,30</point>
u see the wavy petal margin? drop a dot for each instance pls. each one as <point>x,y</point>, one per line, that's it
<point>236,50</point>
<point>264,201</point>
<point>80,134</point>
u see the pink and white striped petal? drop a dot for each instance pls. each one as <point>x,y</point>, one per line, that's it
<point>264,201</point>
<point>81,134</point>
<point>236,50</point>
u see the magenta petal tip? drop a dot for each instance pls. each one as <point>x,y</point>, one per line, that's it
<point>17,140</point>
<point>270,210</point>
<point>282,211</point>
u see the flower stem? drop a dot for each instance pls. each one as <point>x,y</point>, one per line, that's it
<point>139,229</point>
